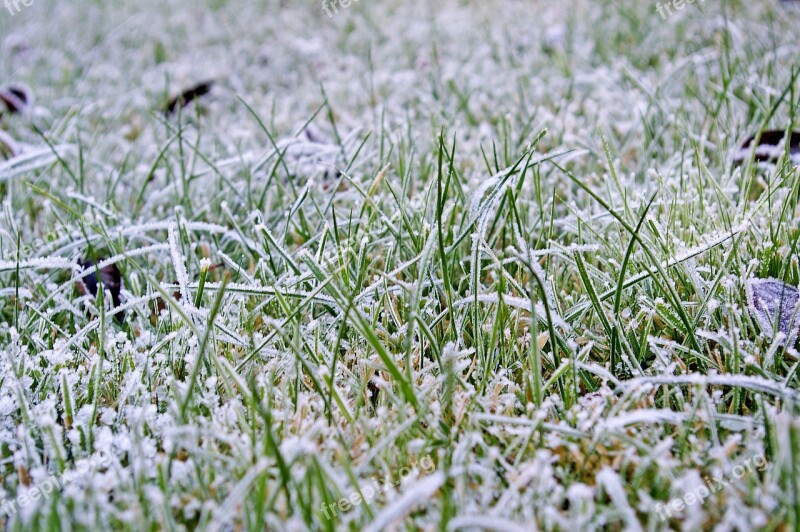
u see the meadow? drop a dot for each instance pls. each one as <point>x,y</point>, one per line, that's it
<point>419,265</point>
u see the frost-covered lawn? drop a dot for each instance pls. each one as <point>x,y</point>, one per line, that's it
<point>419,265</point>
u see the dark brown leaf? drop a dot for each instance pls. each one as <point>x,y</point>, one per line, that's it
<point>187,96</point>
<point>111,279</point>
<point>770,147</point>
<point>16,98</point>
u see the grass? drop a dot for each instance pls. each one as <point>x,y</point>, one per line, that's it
<point>486,270</point>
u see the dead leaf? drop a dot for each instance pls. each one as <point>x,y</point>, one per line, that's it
<point>111,279</point>
<point>187,96</point>
<point>770,147</point>
<point>773,304</point>
<point>17,98</point>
